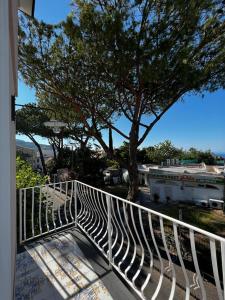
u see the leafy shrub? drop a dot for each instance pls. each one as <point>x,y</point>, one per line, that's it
<point>112,164</point>
<point>26,176</point>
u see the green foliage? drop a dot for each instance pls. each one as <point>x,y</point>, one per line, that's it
<point>122,154</point>
<point>25,176</point>
<point>112,164</point>
<point>166,150</point>
<point>50,61</point>
<point>30,121</point>
<point>51,167</point>
<point>87,163</point>
<point>200,156</point>
<point>162,151</point>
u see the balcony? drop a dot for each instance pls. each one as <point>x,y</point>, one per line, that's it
<point>78,242</point>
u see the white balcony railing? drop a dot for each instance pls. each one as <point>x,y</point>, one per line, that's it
<point>137,242</point>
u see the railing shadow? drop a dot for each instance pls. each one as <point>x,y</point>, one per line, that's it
<point>58,267</point>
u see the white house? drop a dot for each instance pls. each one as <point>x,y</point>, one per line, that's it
<point>203,185</point>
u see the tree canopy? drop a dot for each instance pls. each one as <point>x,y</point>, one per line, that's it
<point>130,58</point>
<point>30,122</point>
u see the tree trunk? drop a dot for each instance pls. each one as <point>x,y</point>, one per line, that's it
<point>110,141</point>
<point>54,152</point>
<point>132,166</point>
<point>60,151</point>
<point>106,148</point>
<point>40,152</point>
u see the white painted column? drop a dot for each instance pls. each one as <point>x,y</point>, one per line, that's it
<point>8,87</point>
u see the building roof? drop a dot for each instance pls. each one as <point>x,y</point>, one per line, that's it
<point>207,174</point>
<point>198,170</point>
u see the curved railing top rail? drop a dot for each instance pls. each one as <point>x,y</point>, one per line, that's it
<point>45,185</point>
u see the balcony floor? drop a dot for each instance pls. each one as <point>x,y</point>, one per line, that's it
<point>66,266</point>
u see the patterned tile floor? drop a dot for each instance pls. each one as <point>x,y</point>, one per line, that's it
<point>56,268</point>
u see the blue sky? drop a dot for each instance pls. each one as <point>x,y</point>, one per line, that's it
<point>195,122</point>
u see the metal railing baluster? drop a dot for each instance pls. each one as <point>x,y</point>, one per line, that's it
<point>127,235</point>
<point>169,258</point>
<point>75,203</point>
<point>149,251</point>
<point>95,209</point>
<point>32,213</point>
<point>120,229</point>
<point>106,216</point>
<point>103,218</point>
<point>195,260</point>
<point>65,203</point>
<point>215,268</point>
<point>20,211</point>
<point>39,214</point>
<point>155,295</point>
<point>71,198</point>
<point>59,212</point>
<point>109,229</point>
<point>46,209</point>
<point>53,212</point>
<point>99,218</point>
<point>187,282</point>
<point>24,214</point>
<point>141,245</point>
<point>133,239</point>
<point>222,245</point>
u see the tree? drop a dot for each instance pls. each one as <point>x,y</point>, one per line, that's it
<point>30,122</point>
<point>162,151</point>
<point>122,155</point>
<point>151,53</point>
<point>200,156</point>
<point>49,64</point>
<point>130,58</point>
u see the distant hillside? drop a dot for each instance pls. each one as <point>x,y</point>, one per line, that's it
<point>30,145</point>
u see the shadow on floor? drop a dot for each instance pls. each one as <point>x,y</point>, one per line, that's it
<point>66,266</point>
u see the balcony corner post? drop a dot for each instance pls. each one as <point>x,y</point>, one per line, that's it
<point>109,229</point>
<point>223,264</point>
<point>75,203</point>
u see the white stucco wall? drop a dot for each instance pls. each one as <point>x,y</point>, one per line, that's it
<point>8,87</point>
<point>176,191</point>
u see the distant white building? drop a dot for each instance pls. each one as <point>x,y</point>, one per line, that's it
<point>143,172</point>
<point>48,155</point>
<point>203,185</point>
<point>32,156</point>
